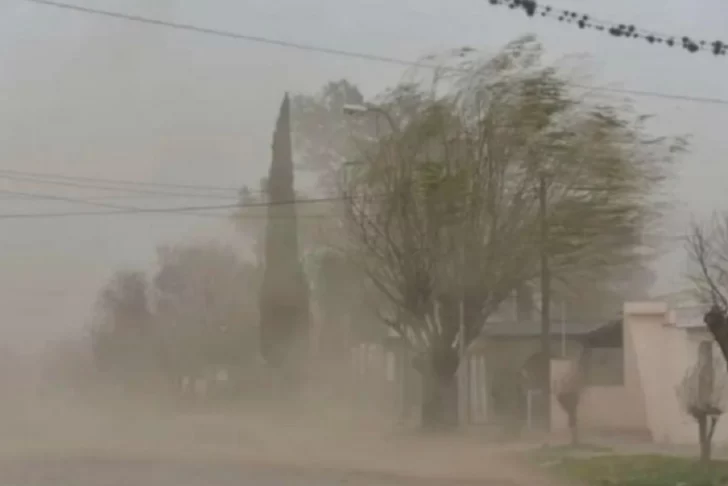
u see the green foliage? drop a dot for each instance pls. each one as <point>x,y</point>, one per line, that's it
<point>552,456</point>
<point>199,310</point>
<point>206,307</point>
<point>643,470</point>
<point>348,306</point>
<point>123,325</point>
<point>284,293</point>
<point>322,132</point>
<point>442,203</point>
<point>447,204</point>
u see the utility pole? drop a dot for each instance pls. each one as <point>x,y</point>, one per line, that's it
<point>464,370</point>
<point>464,399</point>
<point>545,306</point>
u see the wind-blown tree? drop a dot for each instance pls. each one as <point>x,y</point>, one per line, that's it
<point>197,313</point>
<point>250,219</point>
<point>444,209</point>
<point>206,312</point>
<point>593,300</point>
<point>326,138</point>
<point>347,304</point>
<point>284,293</point>
<point>123,326</point>
<point>314,221</point>
<point>322,132</point>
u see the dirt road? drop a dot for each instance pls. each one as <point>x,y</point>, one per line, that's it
<point>96,472</point>
<point>90,472</point>
<point>81,447</point>
<point>206,467</point>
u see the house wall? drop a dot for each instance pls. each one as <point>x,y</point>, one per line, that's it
<point>504,361</point>
<point>602,408</point>
<point>657,355</point>
<point>667,361</point>
<point>632,377</point>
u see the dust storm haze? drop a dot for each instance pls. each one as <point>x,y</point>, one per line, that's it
<point>166,126</point>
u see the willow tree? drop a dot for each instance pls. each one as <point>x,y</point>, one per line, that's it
<point>444,208</point>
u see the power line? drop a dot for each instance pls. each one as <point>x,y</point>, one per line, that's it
<point>128,209</point>
<point>340,52</point>
<point>191,210</point>
<point>86,202</point>
<point>30,195</point>
<point>69,182</point>
<point>119,182</point>
<point>133,197</point>
<point>182,209</point>
<point>48,175</point>
<point>623,30</point>
<point>228,34</point>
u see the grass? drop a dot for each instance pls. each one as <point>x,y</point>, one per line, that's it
<point>547,455</point>
<point>641,470</point>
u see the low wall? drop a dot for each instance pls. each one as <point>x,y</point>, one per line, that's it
<point>602,408</point>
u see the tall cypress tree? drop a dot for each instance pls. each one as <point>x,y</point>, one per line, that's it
<point>284,295</point>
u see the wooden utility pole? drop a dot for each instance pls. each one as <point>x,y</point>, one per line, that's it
<point>545,307</point>
<point>464,398</point>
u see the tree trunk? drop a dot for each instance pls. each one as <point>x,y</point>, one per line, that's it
<point>439,401</point>
<point>574,427</point>
<point>704,439</point>
<point>438,367</point>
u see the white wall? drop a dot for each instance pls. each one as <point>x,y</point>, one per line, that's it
<point>662,354</point>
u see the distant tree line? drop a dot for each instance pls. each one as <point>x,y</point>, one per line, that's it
<point>195,313</point>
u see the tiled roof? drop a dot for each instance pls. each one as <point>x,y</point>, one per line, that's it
<point>533,328</point>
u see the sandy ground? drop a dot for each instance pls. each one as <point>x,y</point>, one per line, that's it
<point>55,442</point>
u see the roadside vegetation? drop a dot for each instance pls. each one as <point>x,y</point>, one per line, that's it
<point>640,470</point>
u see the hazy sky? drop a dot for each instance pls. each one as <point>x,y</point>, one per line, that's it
<point>88,96</point>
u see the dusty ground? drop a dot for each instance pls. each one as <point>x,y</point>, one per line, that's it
<point>57,442</point>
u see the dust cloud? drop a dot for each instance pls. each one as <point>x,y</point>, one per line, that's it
<point>95,97</point>
<point>49,421</point>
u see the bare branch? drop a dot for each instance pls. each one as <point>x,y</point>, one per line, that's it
<point>708,252</point>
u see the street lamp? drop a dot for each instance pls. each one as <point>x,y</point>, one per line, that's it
<point>545,299</point>
<point>351,109</point>
<point>362,109</point>
<point>393,338</point>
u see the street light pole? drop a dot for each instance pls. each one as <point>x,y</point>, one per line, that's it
<point>545,305</point>
<point>464,398</point>
<point>358,110</point>
<point>372,108</point>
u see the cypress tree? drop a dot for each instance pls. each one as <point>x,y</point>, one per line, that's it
<point>284,295</point>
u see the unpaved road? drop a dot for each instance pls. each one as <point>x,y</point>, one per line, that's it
<point>66,467</point>
<point>59,445</point>
<point>78,472</point>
